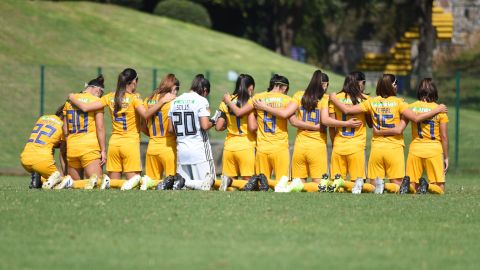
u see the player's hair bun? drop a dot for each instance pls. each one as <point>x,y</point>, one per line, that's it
<point>99,81</point>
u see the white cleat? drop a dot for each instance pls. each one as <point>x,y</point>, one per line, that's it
<point>224,183</point>
<point>357,188</point>
<point>144,182</point>
<point>52,181</point>
<point>131,183</point>
<point>379,186</point>
<point>295,186</point>
<point>67,182</point>
<point>281,185</point>
<point>92,182</point>
<point>208,182</point>
<point>105,182</point>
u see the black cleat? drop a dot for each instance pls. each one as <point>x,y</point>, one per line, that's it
<point>332,186</point>
<point>322,187</point>
<point>35,181</point>
<point>167,183</point>
<point>179,182</point>
<point>263,182</point>
<point>405,185</point>
<point>252,184</point>
<point>423,188</point>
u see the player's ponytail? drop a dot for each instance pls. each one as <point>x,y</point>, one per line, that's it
<point>126,77</point>
<point>165,86</point>
<point>427,90</point>
<point>59,111</point>
<point>200,85</point>
<point>385,87</point>
<point>351,87</point>
<point>314,92</point>
<point>244,81</point>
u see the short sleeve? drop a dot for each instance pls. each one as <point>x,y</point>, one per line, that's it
<point>137,101</point>
<point>204,109</point>
<point>324,103</point>
<point>297,98</point>
<point>443,118</point>
<point>223,107</point>
<point>402,105</point>
<point>104,100</point>
<point>365,106</point>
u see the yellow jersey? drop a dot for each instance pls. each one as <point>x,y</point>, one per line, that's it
<point>386,113</point>
<point>272,134</point>
<point>349,140</point>
<point>426,140</point>
<point>238,138</point>
<point>82,132</point>
<point>46,134</point>
<point>125,123</point>
<point>306,137</point>
<point>158,124</point>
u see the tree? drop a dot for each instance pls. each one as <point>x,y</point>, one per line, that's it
<point>426,41</point>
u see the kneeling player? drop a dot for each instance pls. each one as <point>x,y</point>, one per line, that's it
<point>37,156</point>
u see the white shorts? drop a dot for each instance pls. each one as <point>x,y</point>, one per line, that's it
<point>196,174</point>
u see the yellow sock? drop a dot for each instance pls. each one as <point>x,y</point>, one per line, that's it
<point>392,187</point>
<point>310,187</point>
<point>239,184</point>
<point>231,189</point>
<point>411,189</point>
<point>348,185</point>
<point>116,183</point>
<point>217,183</point>
<point>432,188</point>
<point>80,184</point>
<point>368,188</point>
<point>272,183</point>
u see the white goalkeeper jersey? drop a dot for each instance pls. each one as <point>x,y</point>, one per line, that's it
<point>193,145</point>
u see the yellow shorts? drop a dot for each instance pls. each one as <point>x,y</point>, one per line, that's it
<point>309,162</point>
<point>124,158</point>
<point>433,166</point>
<point>353,165</point>
<point>157,165</point>
<point>386,163</point>
<point>45,167</point>
<point>80,162</point>
<point>238,163</point>
<point>278,162</point>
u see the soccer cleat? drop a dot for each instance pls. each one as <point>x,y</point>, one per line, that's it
<point>208,182</point>
<point>281,185</point>
<point>322,187</point>
<point>179,182</point>
<point>423,187</point>
<point>252,184</point>
<point>52,181</point>
<point>336,184</point>
<point>405,185</point>
<point>167,183</point>
<point>105,182</point>
<point>131,183</point>
<point>67,182</point>
<point>379,186</point>
<point>146,182</point>
<point>357,188</point>
<point>225,183</point>
<point>35,181</point>
<point>92,182</point>
<point>263,182</point>
<point>295,186</point>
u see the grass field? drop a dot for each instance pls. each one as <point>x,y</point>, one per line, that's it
<point>237,230</point>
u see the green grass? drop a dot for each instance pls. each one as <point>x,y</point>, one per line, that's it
<point>74,38</point>
<point>238,230</point>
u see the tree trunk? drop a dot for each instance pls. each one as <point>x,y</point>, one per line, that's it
<point>426,42</point>
<point>287,19</point>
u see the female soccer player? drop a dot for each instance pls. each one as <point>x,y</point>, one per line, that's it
<point>310,150</point>
<point>85,137</point>
<point>37,156</point>
<point>124,146</point>
<point>387,153</point>
<point>348,154</point>
<point>189,119</point>
<point>161,158</point>
<point>429,147</point>
<point>239,148</point>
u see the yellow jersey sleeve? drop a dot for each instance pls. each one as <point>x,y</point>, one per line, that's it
<point>402,105</point>
<point>46,134</point>
<point>366,106</point>
<point>443,118</point>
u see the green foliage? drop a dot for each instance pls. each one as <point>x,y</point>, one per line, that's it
<point>185,11</point>
<point>74,229</point>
